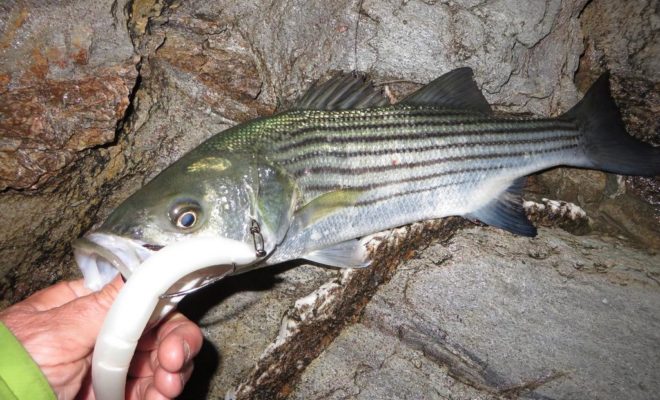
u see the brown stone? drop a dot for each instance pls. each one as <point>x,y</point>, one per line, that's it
<point>220,73</point>
<point>51,120</point>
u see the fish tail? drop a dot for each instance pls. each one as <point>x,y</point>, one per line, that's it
<point>606,143</point>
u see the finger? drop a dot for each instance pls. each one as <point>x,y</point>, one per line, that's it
<point>143,364</point>
<point>57,295</point>
<point>67,291</point>
<point>107,295</point>
<point>153,394</point>
<point>143,389</point>
<point>187,371</point>
<point>172,384</point>
<point>152,338</point>
<point>78,322</point>
<point>149,340</point>
<point>180,339</point>
<point>179,345</point>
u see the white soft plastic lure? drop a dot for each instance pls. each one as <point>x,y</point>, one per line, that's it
<point>180,266</point>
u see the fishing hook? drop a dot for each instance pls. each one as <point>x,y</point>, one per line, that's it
<point>194,289</point>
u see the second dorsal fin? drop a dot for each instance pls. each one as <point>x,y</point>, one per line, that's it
<point>455,90</point>
<point>342,92</point>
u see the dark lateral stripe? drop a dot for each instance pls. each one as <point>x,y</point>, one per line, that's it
<point>380,152</point>
<point>381,184</point>
<point>401,194</point>
<point>407,113</point>
<point>416,164</point>
<point>384,183</point>
<point>338,134</point>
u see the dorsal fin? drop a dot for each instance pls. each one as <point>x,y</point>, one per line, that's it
<point>455,90</point>
<point>342,92</point>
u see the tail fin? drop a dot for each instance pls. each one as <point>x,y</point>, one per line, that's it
<point>607,145</point>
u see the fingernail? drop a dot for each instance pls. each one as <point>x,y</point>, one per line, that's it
<point>183,381</point>
<point>186,351</point>
<point>153,357</point>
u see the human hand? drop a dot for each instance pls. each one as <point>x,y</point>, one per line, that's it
<point>58,327</point>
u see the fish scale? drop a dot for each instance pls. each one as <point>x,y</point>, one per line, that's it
<point>404,159</point>
<point>343,164</point>
<point>439,144</point>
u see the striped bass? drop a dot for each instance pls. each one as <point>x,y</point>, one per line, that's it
<point>315,181</point>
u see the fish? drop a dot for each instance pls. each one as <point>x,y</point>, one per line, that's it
<point>315,181</point>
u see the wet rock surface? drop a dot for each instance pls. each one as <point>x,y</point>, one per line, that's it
<point>239,318</point>
<point>98,97</point>
<point>491,315</point>
<point>629,50</point>
<point>67,74</point>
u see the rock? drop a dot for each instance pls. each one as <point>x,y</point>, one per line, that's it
<point>567,216</point>
<point>67,71</point>
<point>613,42</point>
<point>211,65</point>
<point>316,319</point>
<point>240,317</point>
<point>65,85</point>
<point>491,322</point>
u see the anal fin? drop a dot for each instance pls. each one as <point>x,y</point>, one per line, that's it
<point>349,254</point>
<point>506,211</point>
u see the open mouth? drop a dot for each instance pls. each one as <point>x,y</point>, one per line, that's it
<point>101,256</point>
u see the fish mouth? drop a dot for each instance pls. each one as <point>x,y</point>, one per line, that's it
<point>101,256</point>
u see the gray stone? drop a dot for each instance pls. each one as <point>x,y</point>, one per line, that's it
<point>557,316</point>
<point>239,318</point>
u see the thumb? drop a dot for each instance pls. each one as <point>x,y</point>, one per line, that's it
<point>83,317</point>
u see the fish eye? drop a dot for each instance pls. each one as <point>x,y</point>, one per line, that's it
<point>186,220</point>
<point>185,214</point>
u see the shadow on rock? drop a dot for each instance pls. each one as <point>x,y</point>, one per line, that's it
<point>196,305</point>
<point>206,365</point>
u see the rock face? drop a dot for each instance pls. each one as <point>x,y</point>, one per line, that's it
<point>64,85</point>
<point>67,71</point>
<point>630,51</point>
<point>491,315</point>
<point>98,97</point>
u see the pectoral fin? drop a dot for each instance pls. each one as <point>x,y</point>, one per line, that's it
<point>349,254</point>
<point>325,205</point>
